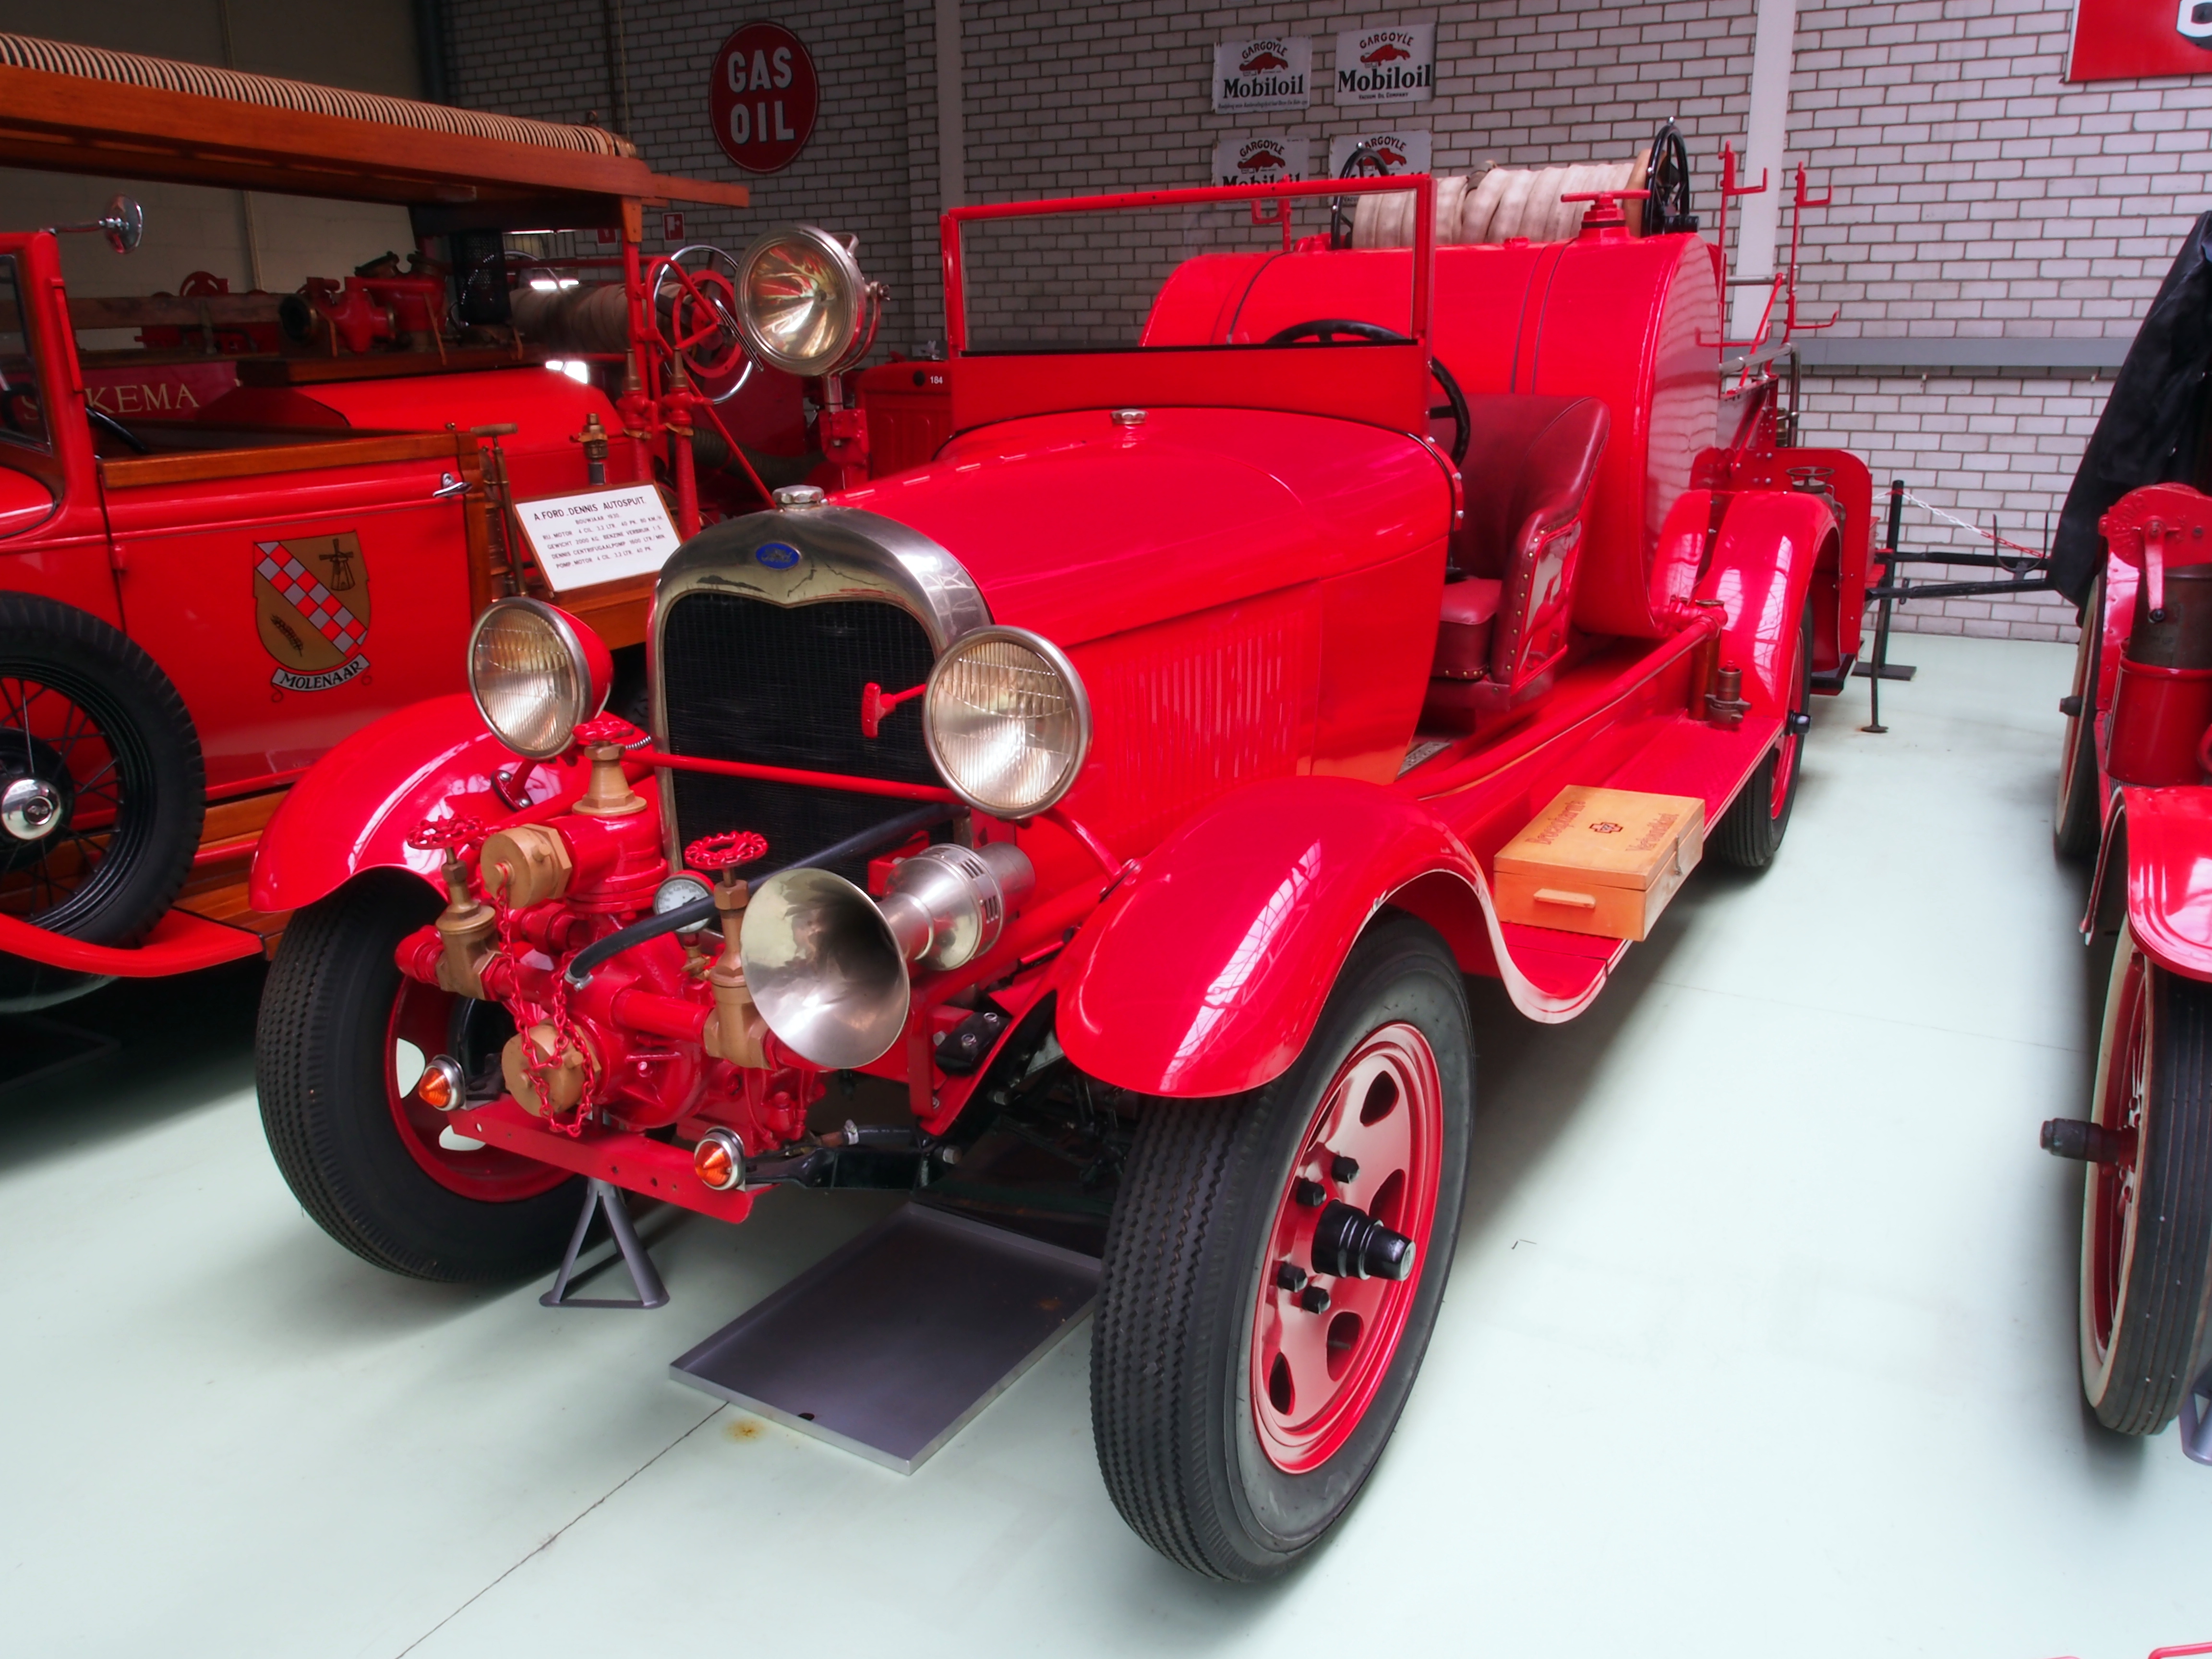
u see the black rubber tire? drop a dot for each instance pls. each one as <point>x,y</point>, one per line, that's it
<point>2137,1383</point>
<point>157,755</point>
<point>1171,1347</point>
<point>2077,820</point>
<point>1751,830</point>
<point>320,1070</point>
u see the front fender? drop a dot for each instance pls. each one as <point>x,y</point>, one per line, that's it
<point>2165,837</point>
<point>1205,972</point>
<point>1762,566</point>
<point>355,807</point>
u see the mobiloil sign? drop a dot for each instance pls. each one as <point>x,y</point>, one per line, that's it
<point>1386,66</point>
<point>1271,72</point>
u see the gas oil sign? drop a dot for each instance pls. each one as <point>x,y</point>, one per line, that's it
<point>762,96</point>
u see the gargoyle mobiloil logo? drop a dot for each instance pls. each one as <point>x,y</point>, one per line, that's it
<point>311,605</point>
<point>1386,66</point>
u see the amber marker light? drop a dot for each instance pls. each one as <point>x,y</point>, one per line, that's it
<point>442,1084</point>
<point>718,1159</point>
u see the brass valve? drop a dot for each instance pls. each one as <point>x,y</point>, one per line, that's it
<point>594,440</point>
<point>465,926</point>
<point>609,794</point>
<point>735,1031</point>
<point>1726,705</point>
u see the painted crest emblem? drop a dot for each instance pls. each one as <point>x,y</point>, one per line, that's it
<point>311,605</point>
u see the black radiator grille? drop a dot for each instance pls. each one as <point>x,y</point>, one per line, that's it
<point>745,680</point>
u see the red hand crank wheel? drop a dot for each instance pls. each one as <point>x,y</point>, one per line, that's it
<point>608,728</point>
<point>436,835</point>
<point>725,851</point>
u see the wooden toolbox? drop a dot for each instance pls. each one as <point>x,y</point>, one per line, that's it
<point>1602,861</point>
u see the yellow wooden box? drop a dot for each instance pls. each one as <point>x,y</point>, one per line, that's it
<point>1602,861</point>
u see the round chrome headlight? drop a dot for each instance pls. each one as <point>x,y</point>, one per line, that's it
<point>1007,721</point>
<point>803,305</point>
<point>530,671</point>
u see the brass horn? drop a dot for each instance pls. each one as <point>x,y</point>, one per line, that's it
<point>827,964</point>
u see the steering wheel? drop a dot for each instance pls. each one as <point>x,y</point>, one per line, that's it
<point>1667,209</point>
<point>1323,331</point>
<point>107,422</point>
<point>1362,161</point>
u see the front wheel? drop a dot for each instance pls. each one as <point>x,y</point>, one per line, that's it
<point>1751,830</point>
<point>1274,1267</point>
<point>342,1038</point>
<point>2147,1210</point>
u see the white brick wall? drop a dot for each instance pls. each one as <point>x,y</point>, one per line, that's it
<point>1975,195</point>
<point>1996,451</point>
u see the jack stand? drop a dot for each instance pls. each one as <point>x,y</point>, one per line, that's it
<point>2195,1422</point>
<point>651,1293</point>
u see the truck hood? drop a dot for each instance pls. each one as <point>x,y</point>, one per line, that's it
<point>1078,528</point>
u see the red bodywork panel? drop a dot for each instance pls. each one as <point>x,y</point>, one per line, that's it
<point>2169,875</point>
<point>433,758</point>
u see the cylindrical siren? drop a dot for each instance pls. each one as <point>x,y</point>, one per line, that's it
<point>827,964</point>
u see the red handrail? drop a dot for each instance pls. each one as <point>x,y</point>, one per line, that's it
<point>1424,213</point>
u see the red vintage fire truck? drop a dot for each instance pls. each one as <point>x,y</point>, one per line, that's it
<point>1292,623</point>
<point>2132,796</point>
<point>274,519</point>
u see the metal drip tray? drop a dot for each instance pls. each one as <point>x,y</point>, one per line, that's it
<point>891,1346</point>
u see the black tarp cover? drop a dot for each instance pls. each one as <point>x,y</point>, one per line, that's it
<point>2150,432</point>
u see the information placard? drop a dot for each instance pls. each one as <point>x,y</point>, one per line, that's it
<point>601,536</point>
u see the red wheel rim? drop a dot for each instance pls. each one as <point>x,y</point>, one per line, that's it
<point>2108,1230</point>
<point>421,1016</point>
<point>1786,751</point>
<point>1313,1376</point>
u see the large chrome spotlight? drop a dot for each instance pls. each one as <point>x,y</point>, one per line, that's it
<point>537,674</point>
<point>803,305</point>
<point>1006,720</point>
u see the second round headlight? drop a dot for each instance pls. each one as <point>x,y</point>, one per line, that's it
<point>531,675</point>
<point>1007,721</point>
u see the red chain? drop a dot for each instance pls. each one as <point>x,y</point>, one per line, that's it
<point>565,1032</point>
<point>725,850</point>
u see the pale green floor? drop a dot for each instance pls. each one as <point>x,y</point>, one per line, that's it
<point>1759,1341</point>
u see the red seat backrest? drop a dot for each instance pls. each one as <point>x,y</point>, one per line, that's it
<point>1530,463</point>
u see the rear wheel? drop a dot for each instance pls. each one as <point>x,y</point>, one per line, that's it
<point>2147,1215</point>
<point>1252,1350</point>
<point>101,793</point>
<point>1751,830</point>
<point>342,1036</point>
<point>2077,823</point>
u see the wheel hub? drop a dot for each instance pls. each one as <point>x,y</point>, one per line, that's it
<point>1343,1257</point>
<point>35,795</point>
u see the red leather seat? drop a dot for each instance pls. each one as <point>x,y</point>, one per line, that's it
<point>1530,463</point>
